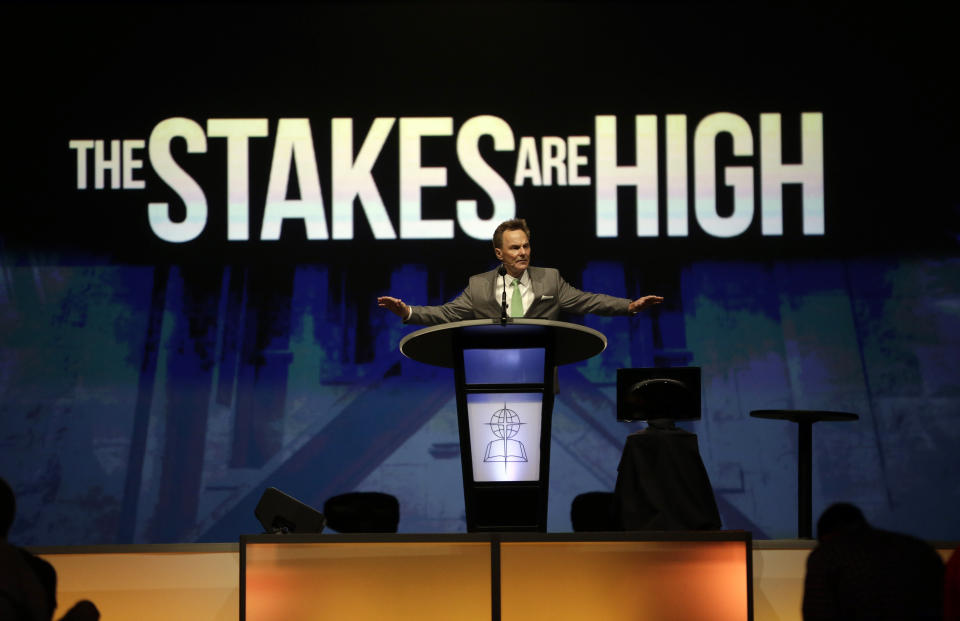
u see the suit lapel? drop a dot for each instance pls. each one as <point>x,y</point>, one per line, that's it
<point>491,297</point>
<point>535,288</point>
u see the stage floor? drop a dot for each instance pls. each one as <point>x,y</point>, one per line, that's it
<point>202,582</point>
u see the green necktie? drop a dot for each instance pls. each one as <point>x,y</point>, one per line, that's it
<point>516,302</point>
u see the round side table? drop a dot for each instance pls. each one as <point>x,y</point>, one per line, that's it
<point>805,420</point>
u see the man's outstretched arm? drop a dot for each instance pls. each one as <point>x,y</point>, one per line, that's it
<point>574,300</point>
<point>457,309</point>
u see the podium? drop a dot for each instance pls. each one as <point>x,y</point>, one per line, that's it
<point>505,383</point>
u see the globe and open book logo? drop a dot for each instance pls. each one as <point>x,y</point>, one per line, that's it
<point>505,425</point>
<point>505,435</point>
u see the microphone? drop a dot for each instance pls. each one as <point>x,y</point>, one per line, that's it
<point>503,302</point>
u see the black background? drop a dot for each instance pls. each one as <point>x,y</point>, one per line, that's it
<point>105,71</point>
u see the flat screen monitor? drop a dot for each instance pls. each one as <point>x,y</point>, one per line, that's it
<point>658,393</point>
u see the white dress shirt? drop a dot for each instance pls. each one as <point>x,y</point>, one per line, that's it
<point>526,291</point>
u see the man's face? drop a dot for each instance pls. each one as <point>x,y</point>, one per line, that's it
<point>514,251</point>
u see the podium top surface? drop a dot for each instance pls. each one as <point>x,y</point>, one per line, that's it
<point>434,345</point>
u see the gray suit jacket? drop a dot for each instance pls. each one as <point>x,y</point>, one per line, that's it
<point>551,295</point>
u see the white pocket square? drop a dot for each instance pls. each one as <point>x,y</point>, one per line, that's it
<point>546,298</point>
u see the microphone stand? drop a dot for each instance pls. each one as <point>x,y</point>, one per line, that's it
<point>503,302</point>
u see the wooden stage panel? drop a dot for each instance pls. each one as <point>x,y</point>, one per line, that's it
<point>497,576</point>
<point>188,582</point>
<point>199,582</point>
<point>376,581</point>
<point>624,580</point>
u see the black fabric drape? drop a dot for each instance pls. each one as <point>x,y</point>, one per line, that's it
<point>663,485</point>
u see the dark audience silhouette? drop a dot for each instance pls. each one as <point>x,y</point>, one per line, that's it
<point>28,584</point>
<point>861,572</point>
<point>951,588</point>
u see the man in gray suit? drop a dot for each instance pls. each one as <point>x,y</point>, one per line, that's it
<point>531,292</point>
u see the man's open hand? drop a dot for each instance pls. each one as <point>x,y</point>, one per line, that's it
<point>641,303</point>
<point>394,305</point>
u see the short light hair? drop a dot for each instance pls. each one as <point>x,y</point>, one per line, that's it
<point>516,224</point>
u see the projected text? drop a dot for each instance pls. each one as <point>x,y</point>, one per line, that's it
<point>685,166</point>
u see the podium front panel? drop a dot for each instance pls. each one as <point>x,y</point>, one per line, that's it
<point>509,576</point>
<point>374,581</point>
<point>505,435</point>
<point>625,580</point>
<point>504,366</point>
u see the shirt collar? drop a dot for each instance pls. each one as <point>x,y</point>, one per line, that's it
<point>524,278</point>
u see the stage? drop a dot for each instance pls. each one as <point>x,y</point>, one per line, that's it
<point>455,574</point>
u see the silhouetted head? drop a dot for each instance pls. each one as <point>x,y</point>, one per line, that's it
<point>8,507</point>
<point>840,519</point>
